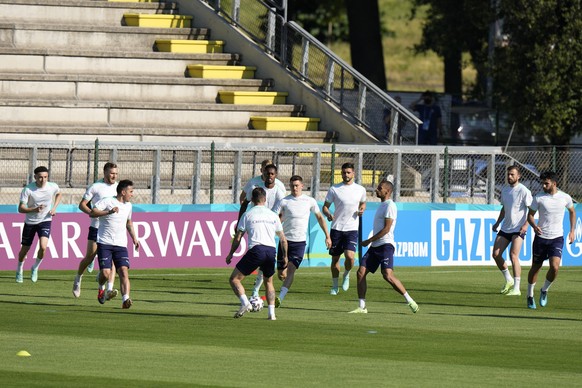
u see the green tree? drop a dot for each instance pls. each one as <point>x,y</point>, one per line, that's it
<point>538,66</point>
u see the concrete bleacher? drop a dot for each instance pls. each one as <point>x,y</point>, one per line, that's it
<point>74,70</point>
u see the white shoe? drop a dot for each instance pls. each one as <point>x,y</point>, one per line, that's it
<point>334,291</point>
<point>346,283</point>
<point>91,266</point>
<point>77,288</point>
<point>244,309</point>
<point>111,294</point>
<point>272,318</point>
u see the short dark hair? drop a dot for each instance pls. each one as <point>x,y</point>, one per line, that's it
<point>269,167</point>
<point>108,166</point>
<point>258,194</point>
<point>348,165</point>
<point>40,169</point>
<point>295,178</point>
<point>122,185</point>
<point>549,175</point>
<point>386,182</point>
<point>514,167</point>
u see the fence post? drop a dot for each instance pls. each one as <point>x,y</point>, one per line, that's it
<point>446,175</point>
<point>360,168</point>
<point>304,58</point>
<point>212,172</point>
<point>236,11</point>
<point>330,68</point>
<point>434,192</point>
<point>397,176</point>
<point>236,189</point>
<point>554,162</point>
<point>96,161</point>
<point>156,176</point>
<point>271,29</point>
<point>196,176</point>
<point>316,176</point>
<point>360,114</point>
<point>491,179</point>
<point>332,165</point>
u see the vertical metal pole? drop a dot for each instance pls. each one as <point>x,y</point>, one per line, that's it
<point>491,179</point>
<point>332,164</point>
<point>32,164</point>
<point>88,167</point>
<point>236,11</point>
<point>50,160</point>
<point>316,176</point>
<point>446,176</point>
<point>271,28</point>
<point>294,163</point>
<point>304,58</point>
<point>361,113</point>
<point>212,150</point>
<point>173,177</point>
<point>435,178</point>
<point>96,161</point>
<point>196,176</point>
<point>398,176</point>
<point>236,187</point>
<point>156,176</point>
<point>330,77</point>
<point>360,168</point>
<point>554,161</point>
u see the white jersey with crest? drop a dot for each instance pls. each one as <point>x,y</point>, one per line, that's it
<point>551,209</point>
<point>98,191</point>
<point>516,201</point>
<point>295,213</point>
<point>346,199</point>
<point>387,209</point>
<point>261,226</point>
<point>112,227</point>
<point>33,196</point>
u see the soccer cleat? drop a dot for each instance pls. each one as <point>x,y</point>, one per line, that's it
<point>126,303</point>
<point>77,288</point>
<point>111,294</point>
<point>359,310</point>
<point>508,285</point>
<point>544,298</point>
<point>334,291</point>
<point>346,283</point>
<point>243,309</point>
<point>18,277</point>
<point>413,306</point>
<point>101,296</point>
<point>91,266</point>
<point>272,318</point>
<point>34,274</point>
<point>513,291</point>
<point>277,302</point>
<point>531,303</point>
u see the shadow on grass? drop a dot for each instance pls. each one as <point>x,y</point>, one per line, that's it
<point>545,318</point>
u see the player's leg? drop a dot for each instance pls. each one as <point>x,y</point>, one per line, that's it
<point>550,278</point>
<point>270,294</point>
<point>516,243</point>
<point>28,233</point>
<point>390,277</point>
<point>238,274</point>
<point>362,286</point>
<point>350,244</point>
<point>42,245</point>
<point>90,254</point>
<point>124,285</point>
<point>105,256</point>
<point>291,269</point>
<point>499,246</point>
<point>295,253</point>
<point>532,276</point>
<point>335,252</point>
<point>258,283</point>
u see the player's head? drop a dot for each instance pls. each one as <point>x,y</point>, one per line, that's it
<point>41,174</point>
<point>296,185</point>
<point>347,173</point>
<point>513,175</point>
<point>125,190</point>
<point>110,172</point>
<point>384,189</point>
<point>269,175</point>
<point>549,181</point>
<point>265,163</point>
<point>258,196</point>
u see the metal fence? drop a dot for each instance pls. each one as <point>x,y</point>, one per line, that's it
<point>313,63</point>
<point>209,173</point>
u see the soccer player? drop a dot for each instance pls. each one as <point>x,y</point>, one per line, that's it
<point>349,199</point>
<point>274,195</point>
<point>515,200</point>
<point>103,188</point>
<point>39,201</point>
<point>549,239</point>
<point>295,211</point>
<point>257,180</point>
<point>115,219</point>
<point>381,252</point>
<point>261,225</point>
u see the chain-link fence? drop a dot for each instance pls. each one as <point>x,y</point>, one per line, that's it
<point>216,173</point>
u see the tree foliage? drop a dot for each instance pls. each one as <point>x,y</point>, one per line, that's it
<point>538,69</point>
<point>325,19</point>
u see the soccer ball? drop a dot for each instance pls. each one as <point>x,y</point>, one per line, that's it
<point>256,304</point>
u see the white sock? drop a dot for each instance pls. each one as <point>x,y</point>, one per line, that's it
<point>407,297</point>
<point>109,286</point>
<point>124,297</point>
<point>506,275</point>
<point>334,282</point>
<point>546,285</point>
<point>271,310</point>
<point>36,264</point>
<point>243,300</point>
<point>516,283</point>
<point>347,273</point>
<point>283,292</point>
<point>530,289</point>
<point>362,303</point>
<point>20,266</point>
<point>102,286</point>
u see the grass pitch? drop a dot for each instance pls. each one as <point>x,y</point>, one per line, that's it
<point>180,332</point>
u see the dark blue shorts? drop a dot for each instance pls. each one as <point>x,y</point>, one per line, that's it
<point>376,256</point>
<point>112,253</point>
<point>259,256</point>
<point>544,248</point>
<point>343,241</point>
<point>295,253</point>
<point>509,236</point>
<point>42,229</point>
<point>92,235</point>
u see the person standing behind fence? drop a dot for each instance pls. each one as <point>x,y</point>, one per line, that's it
<point>431,117</point>
<point>549,240</point>
<point>38,201</point>
<point>103,188</point>
<point>349,199</point>
<point>515,200</point>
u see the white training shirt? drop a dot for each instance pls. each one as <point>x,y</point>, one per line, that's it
<point>551,208</point>
<point>112,227</point>
<point>347,199</point>
<point>295,212</point>
<point>33,196</point>
<point>96,192</point>
<point>387,209</point>
<point>516,201</point>
<point>261,226</point>
<point>274,196</point>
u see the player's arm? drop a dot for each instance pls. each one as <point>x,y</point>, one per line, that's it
<point>572,214</point>
<point>361,208</point>
<point>235,244</point>
<point>84,206</point>
<point>242,197</point>
<point>499,219</point>
<point>22,208</point>
<point>95,212</point>
<point>130,230</point>
<point>283,261</point>
<point>326,212</point>
<point>532,222</point>
<point>323,226</point>
<point>58,197</point>
<point>243,208</point>
<point>387,225</point>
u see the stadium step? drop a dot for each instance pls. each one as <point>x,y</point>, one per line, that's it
<point>285,123</point>
<point>157,21</point>
<point>216,72</point>
<point>185,46</point>
<point>252,98</point>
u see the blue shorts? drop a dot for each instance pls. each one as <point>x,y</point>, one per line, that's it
<point>112,253</point>
<point>295,253</point>
<point>343,241</point>
<point>509,236</point>
<point>544,248</point>
<point>42,229</point>
<point>376,256</point>
<point>92,235</point>
<point>259,256</point>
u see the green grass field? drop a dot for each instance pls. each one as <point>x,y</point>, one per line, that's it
<point>180,332</point>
